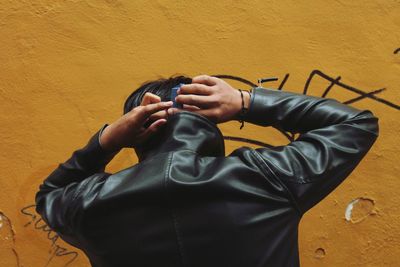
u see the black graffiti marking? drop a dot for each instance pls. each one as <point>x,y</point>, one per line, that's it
<point>325,93</point>
<point>264,80</point>
<point>40,225</point>
<point>61,251</point>
<point>25,212</point>
<point>283,81</point>
<point>333,81</point>
<point>358,98</point>
<point>349,88</point>
<point>396,51</point>
<point>231,77</point>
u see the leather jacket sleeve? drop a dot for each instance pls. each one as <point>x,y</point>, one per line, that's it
<point>333,139</point>
<point>59,198</point>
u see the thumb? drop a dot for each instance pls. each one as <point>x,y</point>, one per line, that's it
<point>150,98</point>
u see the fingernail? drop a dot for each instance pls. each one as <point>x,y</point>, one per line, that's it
<point>179,91</point>
<point>169,103</point>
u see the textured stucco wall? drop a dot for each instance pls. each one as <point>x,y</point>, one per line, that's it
<point>66,67</point>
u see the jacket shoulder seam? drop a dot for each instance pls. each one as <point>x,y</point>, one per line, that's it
<point>77,192</point>
<point>268,171</point>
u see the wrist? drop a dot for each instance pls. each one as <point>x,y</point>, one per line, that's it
<point>246,97</point>
<point>242,103</point>
<point>105,140</point>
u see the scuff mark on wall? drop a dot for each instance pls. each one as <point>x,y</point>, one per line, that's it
<point>359,209</point>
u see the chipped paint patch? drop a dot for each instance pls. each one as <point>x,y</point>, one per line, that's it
<point>359,209</point>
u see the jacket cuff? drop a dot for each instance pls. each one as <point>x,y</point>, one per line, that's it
<point>94,155</point>
<point>261,99</point>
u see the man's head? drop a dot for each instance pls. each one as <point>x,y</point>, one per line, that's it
<point>160,87</point>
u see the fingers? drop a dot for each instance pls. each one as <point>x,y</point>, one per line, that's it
<point>172,111</point>
<point>196,89</point>
<point>163,114</point>
<point>150,98</point>
<point>196,100</point>
<point>142,113</point>
<point>153,108</point>
<point>205,79</point>
<point>190,108</point>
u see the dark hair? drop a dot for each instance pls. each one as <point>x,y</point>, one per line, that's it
<point>161,87</point>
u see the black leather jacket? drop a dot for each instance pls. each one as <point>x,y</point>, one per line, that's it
<point>187,204</point>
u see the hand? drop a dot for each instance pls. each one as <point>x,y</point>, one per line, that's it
<point>212,97</point>
<point>129,131</point>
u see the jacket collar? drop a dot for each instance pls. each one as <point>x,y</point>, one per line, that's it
<point>185,131</point>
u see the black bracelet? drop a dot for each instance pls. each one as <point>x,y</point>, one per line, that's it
<point>243,111</point>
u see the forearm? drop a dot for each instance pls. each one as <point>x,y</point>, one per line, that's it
<point>299,113</point>
<point>58,200</point>
<point>84,162</point>
<point>333,139</point>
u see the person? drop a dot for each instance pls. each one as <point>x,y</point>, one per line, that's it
<point>187,204</point>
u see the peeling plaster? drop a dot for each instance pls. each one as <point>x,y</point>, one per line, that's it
<point>5,223</point>
<point>359,209</point>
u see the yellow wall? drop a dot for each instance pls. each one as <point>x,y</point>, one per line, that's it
<point>66,67</point>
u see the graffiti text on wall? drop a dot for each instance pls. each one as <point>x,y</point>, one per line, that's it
<point>40,225</point>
